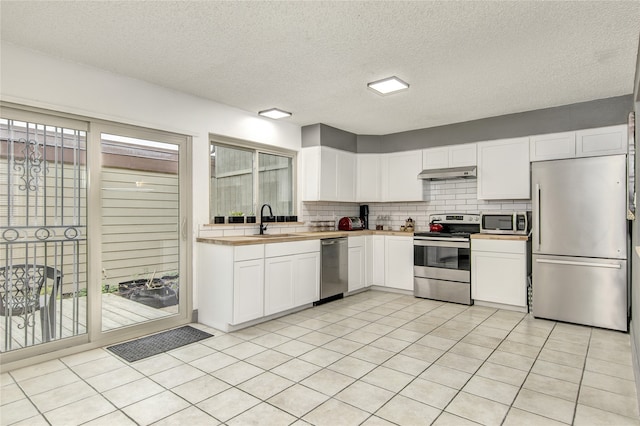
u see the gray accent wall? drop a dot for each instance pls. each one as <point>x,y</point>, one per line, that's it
<point>584,115</point>
<point>321,134</point>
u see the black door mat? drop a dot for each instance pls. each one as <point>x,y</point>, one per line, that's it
<point>155,344</point>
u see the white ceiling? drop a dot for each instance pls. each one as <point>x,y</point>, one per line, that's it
<point>463,60</point>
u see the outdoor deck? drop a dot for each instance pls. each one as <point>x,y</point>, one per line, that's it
<point>116,312</point>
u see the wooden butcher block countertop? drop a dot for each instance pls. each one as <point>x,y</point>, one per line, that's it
<point>297,236</point>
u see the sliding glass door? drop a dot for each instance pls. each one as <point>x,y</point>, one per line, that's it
<point>143,229</point>
<point>94,232</point>
<point>43,229</point>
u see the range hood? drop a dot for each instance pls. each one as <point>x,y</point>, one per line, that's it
<point>449,173</point>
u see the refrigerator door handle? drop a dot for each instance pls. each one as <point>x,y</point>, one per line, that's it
<point>536,226</point>
<point>573,263</point>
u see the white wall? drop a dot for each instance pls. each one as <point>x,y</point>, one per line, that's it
<point>35,79</point>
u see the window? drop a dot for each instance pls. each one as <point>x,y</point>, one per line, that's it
<point>244,178</point>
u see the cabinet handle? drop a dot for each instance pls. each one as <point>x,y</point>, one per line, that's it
<point>572,263</point>
<point>537,224</point>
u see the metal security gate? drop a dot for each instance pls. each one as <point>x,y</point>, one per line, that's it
<point>43,231</point>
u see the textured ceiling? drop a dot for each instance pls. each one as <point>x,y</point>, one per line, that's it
<point>463,60</point>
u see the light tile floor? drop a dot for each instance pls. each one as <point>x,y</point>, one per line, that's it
<point>373,359</point>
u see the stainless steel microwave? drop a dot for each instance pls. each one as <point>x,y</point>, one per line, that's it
<point>518,223</point>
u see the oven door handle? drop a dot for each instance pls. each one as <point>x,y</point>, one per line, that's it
<point>464,240</point>
<point>444,242</point>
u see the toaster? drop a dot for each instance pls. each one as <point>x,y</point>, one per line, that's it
<point>351,223</point>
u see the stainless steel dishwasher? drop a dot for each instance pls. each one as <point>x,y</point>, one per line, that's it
<point>334,272</point>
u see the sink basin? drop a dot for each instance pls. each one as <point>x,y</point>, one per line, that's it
<point>273,235</point>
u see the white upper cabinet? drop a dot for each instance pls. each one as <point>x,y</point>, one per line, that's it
<point>449,156</point>
<point>435,158</point>
<point>463,155</point>
<point>503,169</point>
<point>553,146</point>
<point>328,174</point>
<point>368,178</point>
<point>583,143</point>
<point>400,176</point>
<point>601,141</point>
<point>346,176</point>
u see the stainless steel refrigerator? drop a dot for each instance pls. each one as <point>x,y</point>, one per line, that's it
<point>580,241</point>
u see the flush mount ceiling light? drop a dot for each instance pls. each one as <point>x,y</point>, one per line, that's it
<point>388,85</point>
<point>275,113</point>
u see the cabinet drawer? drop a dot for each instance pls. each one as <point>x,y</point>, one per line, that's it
<point>499,246</point>
<point>290,248</point>
<point>355,241</point>
<point>253,251</point>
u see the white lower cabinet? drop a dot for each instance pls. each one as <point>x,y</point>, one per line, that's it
<point>398,266</point>
<point>279,281</point>
<point>499,271</point>
<point>248,290</point>
<point>230,283</point>
<point>307,288</point>
<point>246,283</point>
<point>357,263</point>
<point>374,260</point>
<point>292,275</point>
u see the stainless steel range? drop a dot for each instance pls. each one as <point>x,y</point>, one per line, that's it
<point>442,258</point>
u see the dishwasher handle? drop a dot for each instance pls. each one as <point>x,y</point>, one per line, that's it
<point>331,241</point>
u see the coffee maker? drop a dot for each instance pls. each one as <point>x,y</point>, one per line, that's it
<point>364,215</point>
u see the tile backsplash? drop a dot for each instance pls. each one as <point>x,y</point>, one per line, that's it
<point>454,195</point>
<point>451,196</point>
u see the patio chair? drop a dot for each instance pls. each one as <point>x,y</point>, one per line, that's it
<point>20,288</point>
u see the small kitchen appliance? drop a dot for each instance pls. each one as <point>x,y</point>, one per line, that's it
<point>516,223</point>
<point>350,223</point>
<point>364,215</point>
<point>442,258</point>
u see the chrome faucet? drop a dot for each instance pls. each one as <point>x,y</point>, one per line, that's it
<point>263,226</point>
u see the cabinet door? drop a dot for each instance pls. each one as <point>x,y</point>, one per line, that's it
<point>552,146</point>
<point>462,155</point>
<point>307,283</point>
<point>328,174</point>
<point>435,158</point>
<point>601,141</point>
<point>346,176</point>
<point>368,260</point>
<point>401,176</point>
<point>399,262</point>
<point>356,268</point>
<point>311,173</point>
<point>378,260</point>
<point>248,290</point>
<point>369,175</point>
<point>499,278</point>
<point>503,169</point>
<point>279,281</point>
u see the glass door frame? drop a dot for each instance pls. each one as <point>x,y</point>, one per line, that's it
<point>185,302</point>
<point>94,336</point>
<point>20,113</point>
